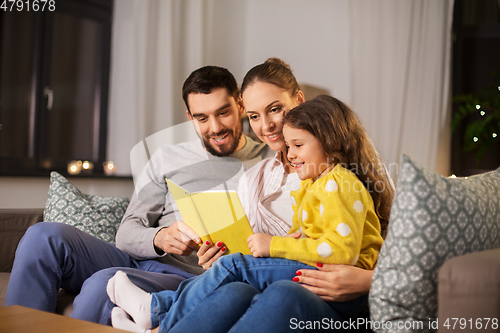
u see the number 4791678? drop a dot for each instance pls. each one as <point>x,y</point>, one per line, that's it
<point>471,324</point>
<point>28,5</point>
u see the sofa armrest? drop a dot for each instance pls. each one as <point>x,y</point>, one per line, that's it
<point>469,288</point>
<point>13,225</point>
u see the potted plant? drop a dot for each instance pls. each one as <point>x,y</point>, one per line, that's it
<point>480,114</point>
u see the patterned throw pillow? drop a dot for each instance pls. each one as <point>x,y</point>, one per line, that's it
<point>433,219</point>
<point>96,215</point>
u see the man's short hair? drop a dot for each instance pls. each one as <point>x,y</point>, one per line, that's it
<point>206,79</point>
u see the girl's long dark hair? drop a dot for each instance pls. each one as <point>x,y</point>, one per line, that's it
<point>345,141</point>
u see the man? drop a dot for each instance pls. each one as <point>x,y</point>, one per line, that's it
<point>153,247</point>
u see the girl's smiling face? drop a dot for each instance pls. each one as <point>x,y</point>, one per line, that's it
<point>305,153</point>
<point>265,104</point>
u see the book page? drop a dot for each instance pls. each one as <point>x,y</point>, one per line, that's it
<point>214,215</point>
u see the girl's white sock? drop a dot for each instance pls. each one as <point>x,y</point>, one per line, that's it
<point>135,301</point>
<point>121,320</point>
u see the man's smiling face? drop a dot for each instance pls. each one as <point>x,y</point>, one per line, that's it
<point>218,118</point>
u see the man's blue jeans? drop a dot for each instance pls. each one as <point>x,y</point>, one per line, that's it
<point>55,255</point>
<point>169,307</point>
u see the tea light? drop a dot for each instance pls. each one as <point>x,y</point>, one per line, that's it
<point>109,168</point>
<point>87,167</point>
<point>74,167</point>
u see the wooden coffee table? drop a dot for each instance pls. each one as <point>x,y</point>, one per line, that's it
<point>20,319</point>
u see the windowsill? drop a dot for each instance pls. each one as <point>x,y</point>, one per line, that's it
<point>43,174</point>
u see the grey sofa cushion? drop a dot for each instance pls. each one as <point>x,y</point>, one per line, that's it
<point>96,215</point>
<point>433,219</point>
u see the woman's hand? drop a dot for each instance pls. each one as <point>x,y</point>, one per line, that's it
<point>260,245</point>
<point>208,254</point>
<point>337,283</point>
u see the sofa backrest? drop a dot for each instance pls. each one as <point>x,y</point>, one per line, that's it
<point>13,225</point>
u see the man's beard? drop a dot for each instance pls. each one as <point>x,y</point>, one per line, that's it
<point>225,149</point>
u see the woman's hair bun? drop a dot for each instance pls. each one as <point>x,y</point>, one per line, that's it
<point>277,61</point>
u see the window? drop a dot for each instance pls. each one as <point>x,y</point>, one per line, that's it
<point>54,74</point>
<point>476,50</point>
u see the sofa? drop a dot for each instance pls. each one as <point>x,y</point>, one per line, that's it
<point>13,225</point>
<point>440,262</point>
<point>469,285</point>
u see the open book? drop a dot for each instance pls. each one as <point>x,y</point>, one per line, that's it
<point>214,216</point>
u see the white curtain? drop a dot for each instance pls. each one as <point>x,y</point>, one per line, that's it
<point>388,59</point>
<point>155,45</point>
<point>400,60</point>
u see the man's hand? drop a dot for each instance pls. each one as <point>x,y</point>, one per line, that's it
<point>260,245</point>
<point>177,239</point>
<point>208,254</point>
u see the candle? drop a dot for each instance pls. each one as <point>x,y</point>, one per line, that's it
<point>74,167</point>
<point>109,168</point>
<point>87,167</point>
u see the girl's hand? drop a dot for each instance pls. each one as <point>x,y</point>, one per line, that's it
<point>337,283</point>
<point>295,235</point>
<point>260,245</point>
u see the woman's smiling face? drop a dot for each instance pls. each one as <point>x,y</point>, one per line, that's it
<point>265,104</point>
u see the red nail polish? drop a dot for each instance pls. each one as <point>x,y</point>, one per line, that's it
<point>207,242</point>
<point>223,249</point>
<point>295,279</point>
<point>319,264</point>
<point>298,273</point>
<point>219,244</point>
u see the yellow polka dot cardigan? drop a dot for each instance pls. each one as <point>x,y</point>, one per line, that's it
<point>338,222</point>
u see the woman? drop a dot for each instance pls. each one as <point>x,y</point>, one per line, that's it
<point>269,90</point>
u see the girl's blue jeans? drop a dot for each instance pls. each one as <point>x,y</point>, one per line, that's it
<point>261,274</point>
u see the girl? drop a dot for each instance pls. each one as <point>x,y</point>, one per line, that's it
<point>333,209</point>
